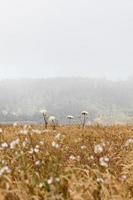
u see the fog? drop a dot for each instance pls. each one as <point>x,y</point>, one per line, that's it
<point>40,39</point>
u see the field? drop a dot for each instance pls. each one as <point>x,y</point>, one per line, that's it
<point>94,163</point>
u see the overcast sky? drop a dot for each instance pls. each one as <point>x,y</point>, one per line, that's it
<point>44,38</point>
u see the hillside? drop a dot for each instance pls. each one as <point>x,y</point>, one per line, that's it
<point>22,99</point>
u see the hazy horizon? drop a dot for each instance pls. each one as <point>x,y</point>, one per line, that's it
<point>41,39</point>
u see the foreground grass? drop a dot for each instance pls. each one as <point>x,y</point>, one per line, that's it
<point>95,163</point>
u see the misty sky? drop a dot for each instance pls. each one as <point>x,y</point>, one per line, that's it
<point>44,38</point>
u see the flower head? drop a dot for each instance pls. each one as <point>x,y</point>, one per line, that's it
<point>44,112</point>
<point>84,112</point>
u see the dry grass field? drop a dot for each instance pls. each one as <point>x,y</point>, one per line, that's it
<point>94,163</point>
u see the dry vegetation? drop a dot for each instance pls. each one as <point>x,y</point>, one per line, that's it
<point>95,163</point>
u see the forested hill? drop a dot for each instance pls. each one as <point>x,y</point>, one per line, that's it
<point>22,99</point>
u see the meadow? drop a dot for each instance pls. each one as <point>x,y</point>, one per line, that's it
<point>72,163</point>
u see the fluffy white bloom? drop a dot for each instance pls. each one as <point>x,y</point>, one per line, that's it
<point>83,147</point>
<point>44,112</point>
<point>15,124</point>
<point>57,179</point>
<point>24,132</point>
<point>55,145</point>
<point>98,149</point>
<point>100,180</point>
<point>52,119</point>
<point>34,150</point>
<point>58,136</point>
<point>84,112</point>
<point>5,169</point>
<point>41,143</point>
<point>72,157</point>
<point>14,143</point>
<point>103,161</point>
<point>4,145</point>
<point>50,180</point>
<point>41,185</point>
<point>37,163</point>
<point>128,142</point>
<point>70,117</point>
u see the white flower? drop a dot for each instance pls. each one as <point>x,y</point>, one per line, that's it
<point>15,124</point>
<point>37,163</point>
<point>1,131</point>
<point>24,132</point>
<point>34,150</point>
<point>123,177</point>
<point>103,161</point>
<point>128,142</point>
<point>84,112</point>
<point>5,169</point>
<point>4,145</point>
<point>98,149</point>
<point>50,180</point>
<point>72,157</point>
<point>100,180</point>
<point>41,185</point>
<point>55,145</point>
<point>41,143</point>
<point>83,147</point>
<point>44,112</point>
<point>14,143</point>
<point>52,119</point>
<point>57,179</point>
<point>70,117</point>
<point>58,136</point>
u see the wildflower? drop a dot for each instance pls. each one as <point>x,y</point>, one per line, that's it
<point>50,180</point>
<point>84,113</point>
<point>41,185</point>
<point>83,147</point>
<point>55,145</point>
<point>78,158</point>
<point>72,157</point>
<point>98,149</point>
<point>14,143</point>
<point>45,117</point>
<point>128,142</point>
<point>57,179</point>
<point>103,161</point>
<point>4,145</point>
<point>123,178</point>
<point>70,117</point>
<point>24,143</point>
<point>100,180</point>
<point>52,121</point>
<point>37,163</point>
<point>5,169</point>
<point>41,143</point>
<point>58,136</point>
<point>83,121</point>
<point>24,132</point>
<point>44,112</point>
<point>34,150</point>
<point>15,124</point>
